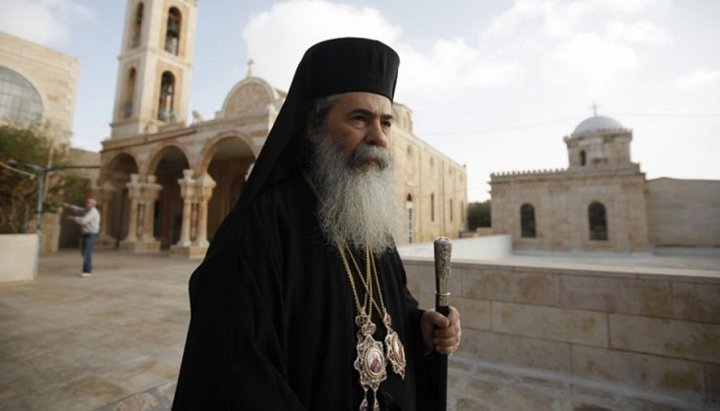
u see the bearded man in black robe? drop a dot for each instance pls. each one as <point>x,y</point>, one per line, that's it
<point>301,302</point>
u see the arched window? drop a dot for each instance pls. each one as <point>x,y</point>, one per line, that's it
<point>432,207</point>
<point>129,93</point>
<point>172,35</point>
<point>583,158</point>
<point>137,26</point>
<point>167,94</point>
<point>597,217</point>
<point>409,208</point>
<point>20,102</point>
<point>527,221</point>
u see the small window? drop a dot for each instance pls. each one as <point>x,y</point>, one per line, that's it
<point>597,217</point>
<point>432,207</point>
<point>451,211</point>
<point>129,94</point>
<point>172,35</point>
<point>583,158</point>
<point>137,26</point>
<point>167,95</point>
<point>527,221</point>
<point>409,208</point>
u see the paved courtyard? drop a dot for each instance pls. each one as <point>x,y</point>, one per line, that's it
<point>71,343</point>
<point>114,342</point>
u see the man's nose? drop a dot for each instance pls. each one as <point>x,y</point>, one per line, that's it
<point>377,135</point>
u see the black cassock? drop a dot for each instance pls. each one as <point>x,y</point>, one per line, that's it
<point>272,324</point>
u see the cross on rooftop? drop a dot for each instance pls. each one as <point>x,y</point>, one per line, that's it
<point>250,62</point>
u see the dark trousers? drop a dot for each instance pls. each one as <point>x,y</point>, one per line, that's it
<point>88,243</point>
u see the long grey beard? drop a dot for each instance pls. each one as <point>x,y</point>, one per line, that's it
<point>356,199</point>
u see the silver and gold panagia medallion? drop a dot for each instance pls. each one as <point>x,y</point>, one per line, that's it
<point>370,363</point>
<point>395,353</point>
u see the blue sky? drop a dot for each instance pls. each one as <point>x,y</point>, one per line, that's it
<point>495,85</point>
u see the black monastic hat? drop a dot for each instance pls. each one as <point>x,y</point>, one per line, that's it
<point>330,67</point>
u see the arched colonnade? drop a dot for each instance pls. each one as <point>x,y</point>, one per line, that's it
<point>172,194</point>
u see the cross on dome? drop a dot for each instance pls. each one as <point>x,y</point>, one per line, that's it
<point>250,62</point>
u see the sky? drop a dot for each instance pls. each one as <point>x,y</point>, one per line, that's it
<point>493,84</point>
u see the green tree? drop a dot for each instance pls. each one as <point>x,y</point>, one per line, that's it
<point>479,215</point>
<point>19,183</point>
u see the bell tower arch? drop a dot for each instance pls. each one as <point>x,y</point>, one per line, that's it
<point>154,66</point>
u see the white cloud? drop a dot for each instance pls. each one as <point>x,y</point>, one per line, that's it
<point>592,61</point>
<point>453,66</point>
<point>700,79</point>
<point>288,29</point>
<point>639,32</point>
<point>46,22</point>
<point>555,18</point>
<point>276,39</point>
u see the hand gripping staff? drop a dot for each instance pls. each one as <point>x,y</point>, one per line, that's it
<point>443,249</point>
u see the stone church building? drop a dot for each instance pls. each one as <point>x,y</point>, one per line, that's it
<point>165,183</point>
<point>602,201</point>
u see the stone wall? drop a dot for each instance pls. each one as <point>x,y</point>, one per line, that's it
<point>430,183</point>
<point>560,201</point>
<point>18,253</point>
<point>53,74</point>
<point>653,333</point>
<point>683,212</point>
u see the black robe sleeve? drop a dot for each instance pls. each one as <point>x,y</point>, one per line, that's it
<point>233,357</point>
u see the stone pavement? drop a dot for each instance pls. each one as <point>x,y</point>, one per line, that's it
<point>71,343</point>
<point>114,342</point>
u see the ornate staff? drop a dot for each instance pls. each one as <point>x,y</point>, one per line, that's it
<point>443,249</point>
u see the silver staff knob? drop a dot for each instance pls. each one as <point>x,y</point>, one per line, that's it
<point>443,249</point>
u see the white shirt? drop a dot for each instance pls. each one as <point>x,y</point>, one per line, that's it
<point>90,221</point>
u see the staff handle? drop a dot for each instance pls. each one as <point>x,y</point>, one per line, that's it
<point>443,250</point>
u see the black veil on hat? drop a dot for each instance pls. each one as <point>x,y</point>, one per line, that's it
<point>330,67</point>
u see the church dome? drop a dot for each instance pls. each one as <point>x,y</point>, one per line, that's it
<point>597,123</point>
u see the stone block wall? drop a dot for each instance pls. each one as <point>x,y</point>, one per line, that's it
<point>53,74</point>
<point>683,213</point>
<point>656,333</point>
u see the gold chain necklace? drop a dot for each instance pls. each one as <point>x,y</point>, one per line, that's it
<point>393,346</point>
<point>371,360</point>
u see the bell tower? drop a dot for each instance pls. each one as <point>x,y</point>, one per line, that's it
<point>154,66</point>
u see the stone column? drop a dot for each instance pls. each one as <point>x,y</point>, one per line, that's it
<point>187,192</point>
<point>104,194</point>
<point>151,192</point>
<point>134,193</point>
<point>203,192</point>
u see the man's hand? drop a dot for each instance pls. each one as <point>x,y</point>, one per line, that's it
<point>441,333</point>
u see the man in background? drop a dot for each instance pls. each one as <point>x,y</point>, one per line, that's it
<point>89,222</point>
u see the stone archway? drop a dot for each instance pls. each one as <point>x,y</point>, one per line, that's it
<point>113,199</point>
<point>167,166</point>
<point>229,160</point>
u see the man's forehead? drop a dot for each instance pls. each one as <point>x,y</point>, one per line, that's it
<point>365,100</point>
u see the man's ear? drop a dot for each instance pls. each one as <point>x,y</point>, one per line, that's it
<point>310,132</point>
